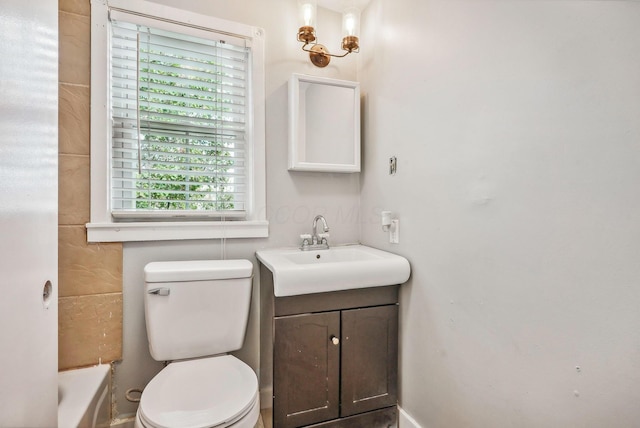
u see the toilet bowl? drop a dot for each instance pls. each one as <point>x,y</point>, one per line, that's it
<point>194,311</point>
<point>209,392</point>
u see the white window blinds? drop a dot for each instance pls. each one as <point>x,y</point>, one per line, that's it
<point>178,124</point>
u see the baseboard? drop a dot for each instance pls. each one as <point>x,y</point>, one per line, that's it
<point>405,420</point>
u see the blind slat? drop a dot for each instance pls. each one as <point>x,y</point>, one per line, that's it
<point>158,120</point>
<point>122,93</point>
<point>164,214</point>
<point>229,67</point>
<point>187,193</point>
<point>216,141</point>
<point>163,171</point>
<point>130,145</point>
<point>237,189</point>
<point>222,163</point>
<point>188,108</point>
<point>127,65</point>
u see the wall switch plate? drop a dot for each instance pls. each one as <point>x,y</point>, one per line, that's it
<point>394,232</point>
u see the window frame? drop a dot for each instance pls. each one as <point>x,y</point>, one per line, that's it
<point>103,227</point>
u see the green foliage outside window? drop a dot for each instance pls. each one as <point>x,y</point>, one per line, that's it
<point>182,170</point>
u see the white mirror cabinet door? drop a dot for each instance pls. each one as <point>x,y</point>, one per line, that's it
<point>324,124</point>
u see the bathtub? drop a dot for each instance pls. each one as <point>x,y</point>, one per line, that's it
<point>83,397</point>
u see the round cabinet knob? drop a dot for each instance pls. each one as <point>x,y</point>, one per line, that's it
<point>335,340</point>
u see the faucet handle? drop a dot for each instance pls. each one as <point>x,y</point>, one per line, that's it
<point>306,241</point>
<point>322,236</point>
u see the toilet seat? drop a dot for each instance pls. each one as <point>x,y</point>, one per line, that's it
<point>202,393</point>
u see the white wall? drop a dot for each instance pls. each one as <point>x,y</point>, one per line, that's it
<point>293,198</point>
<point>517,129</point>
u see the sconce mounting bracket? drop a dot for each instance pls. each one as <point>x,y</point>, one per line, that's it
<point>319,55</point>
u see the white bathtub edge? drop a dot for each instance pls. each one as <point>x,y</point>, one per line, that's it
<point>81,392</point>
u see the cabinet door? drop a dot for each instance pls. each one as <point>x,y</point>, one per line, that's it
<point>306,367</point>
<point>369,359</point>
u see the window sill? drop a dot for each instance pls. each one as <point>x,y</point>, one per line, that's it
<point>172,231</point>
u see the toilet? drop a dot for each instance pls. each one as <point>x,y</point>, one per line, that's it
<point>196,312</point>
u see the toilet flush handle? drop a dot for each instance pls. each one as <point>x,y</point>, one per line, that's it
<point>160,291</point>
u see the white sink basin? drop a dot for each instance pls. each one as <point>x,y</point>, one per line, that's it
<point>338,268</point>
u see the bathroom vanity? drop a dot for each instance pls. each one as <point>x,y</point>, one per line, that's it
<point>329,335</point>
<point>331,357</point>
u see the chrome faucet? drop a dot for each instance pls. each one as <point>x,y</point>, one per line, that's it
<point>316,241</point>
<point>314,229</point>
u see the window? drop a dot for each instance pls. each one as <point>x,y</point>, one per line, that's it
<point>182,116</point>
<point>178,120</point>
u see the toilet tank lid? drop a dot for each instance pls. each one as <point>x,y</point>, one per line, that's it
<point>197,270</point>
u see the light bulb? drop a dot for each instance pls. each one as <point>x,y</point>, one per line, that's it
<point>351,22</point>
<point>349,25</point>
<point>307,10</point>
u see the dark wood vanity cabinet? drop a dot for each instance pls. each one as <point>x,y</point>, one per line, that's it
<point>334,357</point>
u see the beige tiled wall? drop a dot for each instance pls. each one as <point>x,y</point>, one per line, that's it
<point>90,275</point>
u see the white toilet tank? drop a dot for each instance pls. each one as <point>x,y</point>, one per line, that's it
<point>196,308</point>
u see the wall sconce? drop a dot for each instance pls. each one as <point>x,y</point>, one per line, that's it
<point>318,54</point>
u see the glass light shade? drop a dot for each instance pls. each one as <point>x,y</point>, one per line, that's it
<point>307,13</point>
<point>351,22</point>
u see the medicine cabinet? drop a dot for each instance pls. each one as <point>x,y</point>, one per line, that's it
<point>324,124</point>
